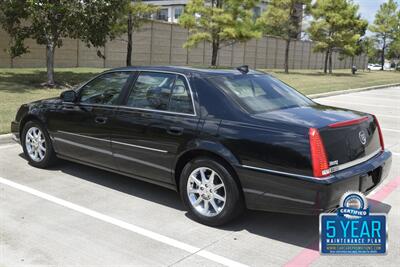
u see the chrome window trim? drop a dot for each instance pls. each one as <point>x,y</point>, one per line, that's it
<point>111,141</point>
<point>194,114</point>
<point>133,108</point>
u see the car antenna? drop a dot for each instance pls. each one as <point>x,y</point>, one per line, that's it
<point>244,69</point>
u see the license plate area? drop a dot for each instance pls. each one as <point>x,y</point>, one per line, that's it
<point>371,179</point>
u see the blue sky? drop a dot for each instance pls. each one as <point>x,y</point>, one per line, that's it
<point>368,8</point>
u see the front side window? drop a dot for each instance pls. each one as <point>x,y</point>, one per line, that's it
<point>105,89</point>
<point>259,93</point>
<point>161,91</point>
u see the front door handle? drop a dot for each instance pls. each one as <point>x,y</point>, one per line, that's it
<point>100,120</point>
<point>175,130</point>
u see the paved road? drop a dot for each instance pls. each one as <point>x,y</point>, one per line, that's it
<point>77,215</point>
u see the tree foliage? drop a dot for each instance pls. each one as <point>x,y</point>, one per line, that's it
<point>283,18</point>
<point>394,50</point>
<point>220,22</point>
<point>49,21</point>
<point>385,26</point>
<point>337,26</point>
<point>135,15</point>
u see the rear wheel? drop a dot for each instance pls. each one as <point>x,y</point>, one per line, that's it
<point>37,145</point>
<point>210,192</point>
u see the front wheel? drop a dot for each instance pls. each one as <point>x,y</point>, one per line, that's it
<point>210,192</point>
<point>37,145</point>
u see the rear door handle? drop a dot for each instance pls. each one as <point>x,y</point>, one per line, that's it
<point>100,120</point>
<point>175,130</point>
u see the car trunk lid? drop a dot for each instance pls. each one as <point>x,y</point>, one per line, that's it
<point>348,143</point>
<point>349,137</point>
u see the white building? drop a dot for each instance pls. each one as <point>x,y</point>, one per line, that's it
<point>171,10</point>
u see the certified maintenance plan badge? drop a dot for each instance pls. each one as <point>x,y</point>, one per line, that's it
<point>353,230</point>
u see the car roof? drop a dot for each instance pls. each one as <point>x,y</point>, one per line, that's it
<point>186,70</point>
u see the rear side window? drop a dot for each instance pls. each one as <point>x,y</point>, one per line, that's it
<point>104,89</point>
<point>161,91</point>
<point>260,93</point>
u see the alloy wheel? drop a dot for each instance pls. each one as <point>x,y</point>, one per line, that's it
<point>35,144</point>
<point>206,191</point>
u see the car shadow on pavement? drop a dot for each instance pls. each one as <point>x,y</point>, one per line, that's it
<point>124,184</point>
<point>293,229</point>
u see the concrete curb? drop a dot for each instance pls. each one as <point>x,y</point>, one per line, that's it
<point>6,139</point>
<point>349,91</point>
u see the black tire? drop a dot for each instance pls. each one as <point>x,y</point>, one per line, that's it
<point>49,156</point>
<point>234,204</point>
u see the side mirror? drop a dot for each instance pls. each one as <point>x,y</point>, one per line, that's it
<point>68,96</point>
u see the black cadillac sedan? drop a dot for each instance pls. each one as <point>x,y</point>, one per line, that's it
<point>224,139</point>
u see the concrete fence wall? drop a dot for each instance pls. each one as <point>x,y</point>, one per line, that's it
<point>159,43</point>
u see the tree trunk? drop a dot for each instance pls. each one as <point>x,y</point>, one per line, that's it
<point>129,46</point>
<point>330,62</point>
<point>50,64</point>
<point>383,53</point>
<point>287,56</point>
<point>215,48</point>
<point>326,61</point>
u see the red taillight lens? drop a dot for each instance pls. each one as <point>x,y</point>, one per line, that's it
<point>318,154</point>
<point>380,132</point>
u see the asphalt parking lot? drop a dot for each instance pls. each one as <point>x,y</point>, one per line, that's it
<point>78,215</point>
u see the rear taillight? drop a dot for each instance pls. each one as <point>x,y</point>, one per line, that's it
<point>380,132</point>
<point>318,154</point>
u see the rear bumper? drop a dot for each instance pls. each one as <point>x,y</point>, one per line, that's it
<point>264,190</point>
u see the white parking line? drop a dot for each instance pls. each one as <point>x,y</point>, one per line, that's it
<point>130,227</point>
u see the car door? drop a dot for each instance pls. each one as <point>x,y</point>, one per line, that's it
<point>81,130</point>
<point>156,122</point>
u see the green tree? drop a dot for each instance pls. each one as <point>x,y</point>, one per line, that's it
<point>385,26</point>
<point>220,22</point>
<point>370,49</point>
<point>135,15</point>
<point>336,27</point>
<point>359,47</point>
<point>394,50</point>
<point>283,18</point>
<point>49,21</point>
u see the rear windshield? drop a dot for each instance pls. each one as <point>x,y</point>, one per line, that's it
<point>258,93</point>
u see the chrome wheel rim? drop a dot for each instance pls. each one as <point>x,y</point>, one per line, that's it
<point>35,144</point>
<point>206,191</point>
